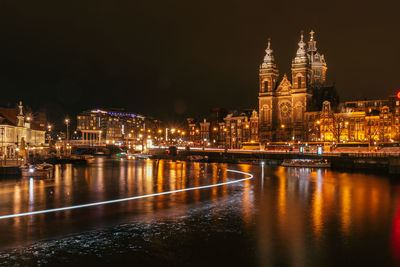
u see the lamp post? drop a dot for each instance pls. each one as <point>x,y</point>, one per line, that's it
<point>49,133</point>
<point>67,138</point>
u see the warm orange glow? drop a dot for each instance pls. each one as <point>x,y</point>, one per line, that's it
<point>282,126</point>
<point>398,95</point>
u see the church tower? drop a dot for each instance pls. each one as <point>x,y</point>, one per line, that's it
<point>301,72</point>
<point>268,78</point>
<point>283,104</point>
<point>317,62</point>
<point>268,71</point>
<point>300,93</point>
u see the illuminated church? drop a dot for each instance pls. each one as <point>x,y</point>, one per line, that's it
<point>284,101</point>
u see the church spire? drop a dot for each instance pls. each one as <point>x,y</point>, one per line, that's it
<point>317,61</point>
<point>268,71</point>
<point>269,57</point>
<point>312,44</point>
<point>301,52</point>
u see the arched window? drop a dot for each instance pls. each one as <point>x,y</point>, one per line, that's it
<point>299,82</point>
<point>265,86</point>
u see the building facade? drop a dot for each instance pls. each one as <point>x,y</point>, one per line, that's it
<point>19,132</point>
<point>283,103</point>
<point>101,126</point>
<point>369,121</point>
<point>232,131</point>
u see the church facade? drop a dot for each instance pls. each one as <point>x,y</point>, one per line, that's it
<point>284,101</point>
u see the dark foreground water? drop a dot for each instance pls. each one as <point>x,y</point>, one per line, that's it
<point>288,217</point>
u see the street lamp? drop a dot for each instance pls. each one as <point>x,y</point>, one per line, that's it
<point>49,130</point>
<point>67,123</point>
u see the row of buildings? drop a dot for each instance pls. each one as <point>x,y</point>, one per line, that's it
<point>19,131</point>
<point>226,130</point>
<point>300,108</point>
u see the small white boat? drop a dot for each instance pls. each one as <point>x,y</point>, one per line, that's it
<point>142,156</point>
<point>43,170</point>
<point>306,163</point>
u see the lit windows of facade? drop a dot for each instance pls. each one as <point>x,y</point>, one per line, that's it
<point>19,132</point>
<point>241,128</point>
<point>360,121</point>
<point>107,126</point>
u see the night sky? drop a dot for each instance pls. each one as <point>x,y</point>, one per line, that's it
<point>173,59</point>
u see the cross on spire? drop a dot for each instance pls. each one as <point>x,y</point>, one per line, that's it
<point>312,35</point>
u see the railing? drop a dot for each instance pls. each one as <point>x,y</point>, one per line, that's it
<point>11,162</point>
<point>85,143</point>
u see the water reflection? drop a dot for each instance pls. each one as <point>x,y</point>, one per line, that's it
<point>292,216</point>
<point>333,209</point>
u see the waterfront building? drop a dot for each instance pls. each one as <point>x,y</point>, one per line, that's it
<point>224,130</point>
<point>193,131</point>
<point>241,128</point>
<point>106,126</point>
<point>18,131</point>
<point>357,121</point>
<point>205,132</point>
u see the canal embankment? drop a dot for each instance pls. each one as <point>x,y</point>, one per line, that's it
<point>377,162</point>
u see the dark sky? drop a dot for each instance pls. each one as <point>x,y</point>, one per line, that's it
<point>172,59</point>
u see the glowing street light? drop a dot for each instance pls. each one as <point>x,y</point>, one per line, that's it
<point>67,123</point>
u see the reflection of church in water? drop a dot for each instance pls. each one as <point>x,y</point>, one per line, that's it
<point>282,104</point>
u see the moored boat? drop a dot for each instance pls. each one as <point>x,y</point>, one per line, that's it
<point>306,163</point>
<point>43,170</point>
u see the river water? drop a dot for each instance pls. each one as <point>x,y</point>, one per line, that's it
<point>281,217</point>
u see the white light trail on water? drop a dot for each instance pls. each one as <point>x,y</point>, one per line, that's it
<point>128,198</point>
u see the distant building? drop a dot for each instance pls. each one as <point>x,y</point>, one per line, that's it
<point>192,130</point>
<point>101,126</point>
<point>228,130</point>
<point>240,128</point>
<point>18,131</point>
<point>208,130</point>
